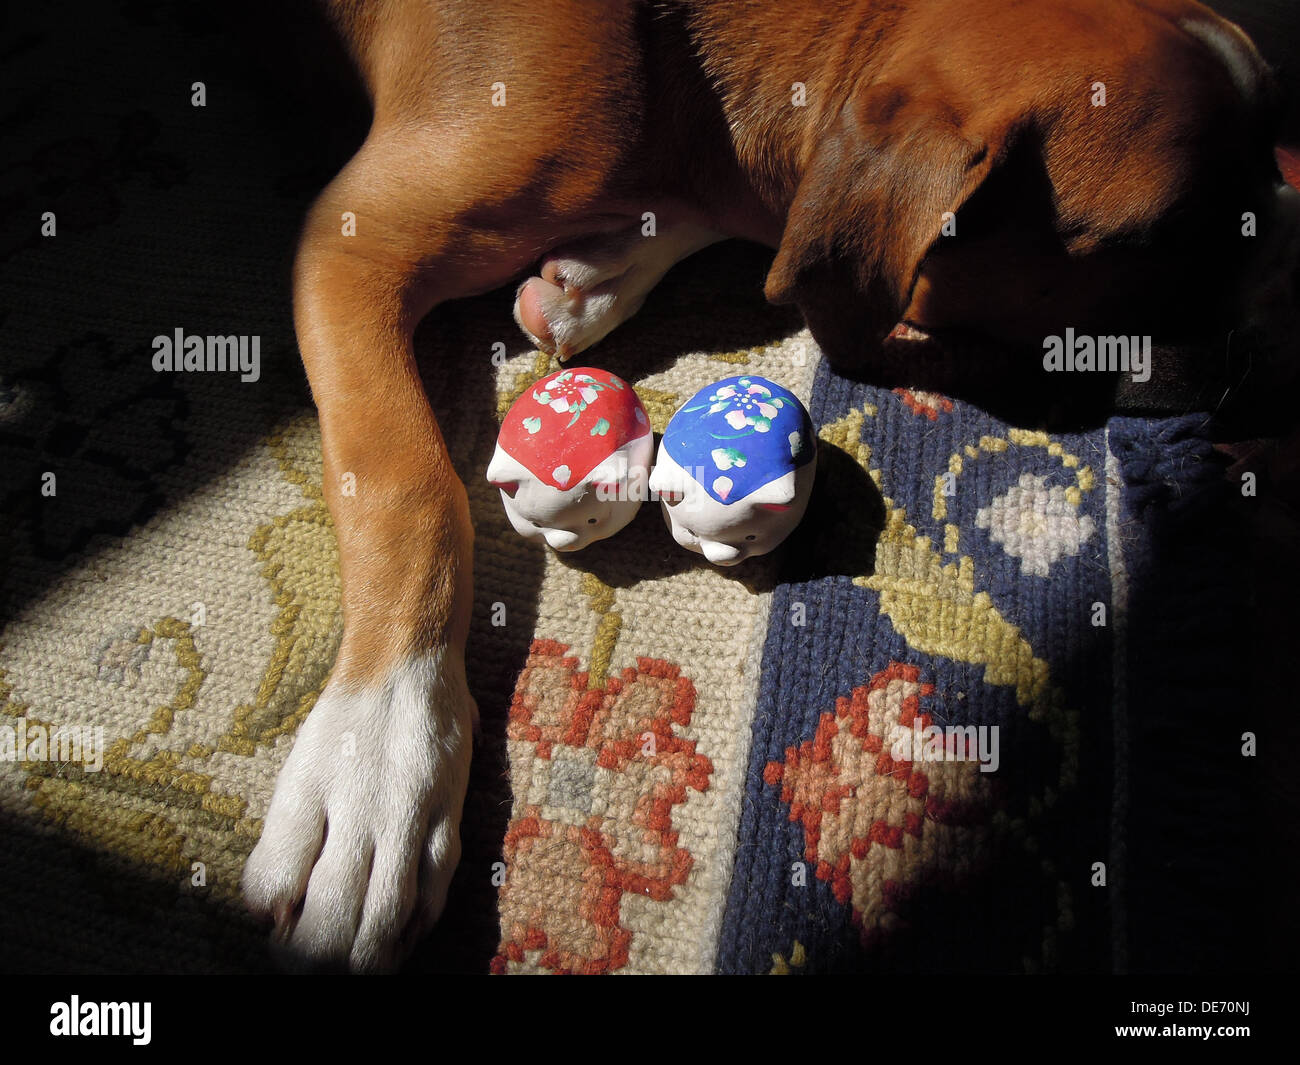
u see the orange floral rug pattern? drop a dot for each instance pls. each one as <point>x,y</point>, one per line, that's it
<point>597,774</point>
<point>869,842</point>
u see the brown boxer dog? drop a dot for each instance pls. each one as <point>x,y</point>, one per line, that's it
<point>1008,167</point>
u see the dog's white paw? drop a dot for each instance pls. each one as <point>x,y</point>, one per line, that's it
<point>363,832</point>
<point>588,288</point>
<point>563,319</point>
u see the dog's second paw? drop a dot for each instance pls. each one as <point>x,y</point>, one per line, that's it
<point>363,832</point>
<point>563,320</point>
<point>591,286</point>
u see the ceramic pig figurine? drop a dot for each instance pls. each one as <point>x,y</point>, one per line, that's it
<point>572,458</point>
<point>735,469</point>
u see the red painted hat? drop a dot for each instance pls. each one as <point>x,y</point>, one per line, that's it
<point>568,423</point>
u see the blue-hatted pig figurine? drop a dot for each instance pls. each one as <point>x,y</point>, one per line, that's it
<point>735,469</point>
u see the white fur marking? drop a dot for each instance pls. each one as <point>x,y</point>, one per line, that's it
<point>379,775</point>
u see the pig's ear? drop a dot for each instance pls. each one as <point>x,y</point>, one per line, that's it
<point>775,495</point>
<point>609,475</point>
<point>505,472</point>
<point>667,484</point>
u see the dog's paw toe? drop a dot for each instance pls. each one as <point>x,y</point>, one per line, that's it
<point>276,873</point>
<point>536,303</point>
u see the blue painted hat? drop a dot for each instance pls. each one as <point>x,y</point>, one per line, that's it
<point>738,434</point>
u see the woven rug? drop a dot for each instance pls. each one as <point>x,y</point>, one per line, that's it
<point>178,590</point>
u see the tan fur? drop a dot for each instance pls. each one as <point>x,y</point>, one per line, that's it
<point>605,119</point>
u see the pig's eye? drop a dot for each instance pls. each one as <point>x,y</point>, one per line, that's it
<point>537,525</point>
<point>751,536</point>
<point>591,521</point>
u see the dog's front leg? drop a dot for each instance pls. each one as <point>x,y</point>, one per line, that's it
<point>362,834</point>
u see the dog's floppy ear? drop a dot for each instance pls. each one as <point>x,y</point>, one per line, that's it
<point>870,205</point>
